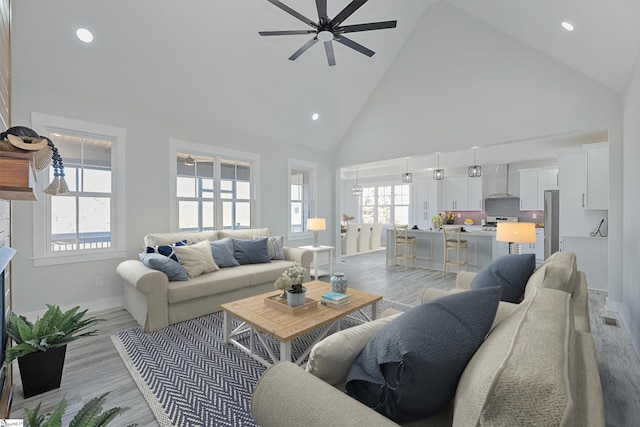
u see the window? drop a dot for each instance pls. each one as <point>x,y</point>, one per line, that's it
<point>214,188</point>
<point>388,204</point>
<point>86,223</point>
<point>302,191</point>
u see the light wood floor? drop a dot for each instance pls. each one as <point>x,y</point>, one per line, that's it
<point>93,365</point>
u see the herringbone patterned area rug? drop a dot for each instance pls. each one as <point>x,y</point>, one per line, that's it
<point>190,377</point>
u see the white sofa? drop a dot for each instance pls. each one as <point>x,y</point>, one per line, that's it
<point>156,302</point>
<point>537,366</point>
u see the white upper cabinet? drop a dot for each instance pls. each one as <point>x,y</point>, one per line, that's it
<point>533,183</point>
<point>475,194</point>
<point>462,193</point>
<point>597,185</point>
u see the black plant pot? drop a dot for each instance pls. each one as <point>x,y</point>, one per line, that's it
<point>41,371</point>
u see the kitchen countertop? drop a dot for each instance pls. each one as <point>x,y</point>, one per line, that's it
<point>466,232</point>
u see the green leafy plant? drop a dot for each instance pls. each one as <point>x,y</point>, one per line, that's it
<point>54,329</point>
<point>90,415</point>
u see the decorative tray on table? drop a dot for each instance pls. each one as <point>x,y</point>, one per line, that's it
<point>281,304</point>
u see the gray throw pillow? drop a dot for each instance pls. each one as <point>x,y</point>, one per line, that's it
<point>251,251</point>
<point>510,272</point>
<point>275,246</point>
<point>411,367</point>
<point>222,251</point>
<point>168,266</point>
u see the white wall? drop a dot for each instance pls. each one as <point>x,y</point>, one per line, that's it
<point>147,198</point>
<point>626,293</point>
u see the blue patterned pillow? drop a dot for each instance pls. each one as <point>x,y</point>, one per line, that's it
<point>251,251</point>
<point>222,251</point>
<point>410,369</point>
<point>166,250</point>
<point>171,268</point>
<point>275,246</point>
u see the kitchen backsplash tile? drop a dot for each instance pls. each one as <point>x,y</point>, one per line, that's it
<point>500,207</point>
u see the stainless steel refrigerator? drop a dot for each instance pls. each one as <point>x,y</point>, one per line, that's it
<point>551,222</point>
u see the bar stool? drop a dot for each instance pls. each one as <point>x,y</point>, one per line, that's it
<point>402,244</point>
<point>452,241</point>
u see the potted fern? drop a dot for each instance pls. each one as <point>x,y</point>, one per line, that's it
<point>41,346</point>
<point>91,415</point>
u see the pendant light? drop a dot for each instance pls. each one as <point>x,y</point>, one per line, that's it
<point>438,174</point>
<point>189,161</point>
<point>407,176</point>
<point>356,189</point>
<point>475,171</point>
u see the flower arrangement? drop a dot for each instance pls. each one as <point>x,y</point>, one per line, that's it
<point>449,217</point>
<point>291,280</point>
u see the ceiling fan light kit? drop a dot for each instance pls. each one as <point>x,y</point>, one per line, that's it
<point>329,30</point>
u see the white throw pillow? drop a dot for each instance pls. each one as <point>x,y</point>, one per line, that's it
<point>331,358</point>
<point>196,259</point>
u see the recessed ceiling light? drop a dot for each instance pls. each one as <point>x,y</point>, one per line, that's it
<point>84,35</point>
<point>567,25</point>
<point>315,116</point>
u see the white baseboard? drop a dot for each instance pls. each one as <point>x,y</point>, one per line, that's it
<point>623,316</point>
<point>91,306</point>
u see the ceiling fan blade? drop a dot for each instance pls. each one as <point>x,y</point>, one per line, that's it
<point>331,58</point>
<point>346,12</point>
<point>321,5</point>
<point>285,33</point>
<point>303,49</point>
<point>367,27</point>
<point>355,46</point>
<point>293,13</point>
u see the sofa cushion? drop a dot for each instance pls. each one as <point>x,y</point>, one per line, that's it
<point>411,367</point>
<point>171,268</point>
<point>510,272</point>
<point>155,239</point>
<point>245,234</point>
<point>331,359</point>
<point>521,374</point>
<point>226,280</point>
<point>251,251</point>
<point>166,250</point>
<point>197,258</point>
<point>223,253</point>
<point>275,246</point>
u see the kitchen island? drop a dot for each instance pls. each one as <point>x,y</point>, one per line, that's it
<point>483,248</point>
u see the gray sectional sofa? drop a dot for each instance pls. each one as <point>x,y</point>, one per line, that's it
<point>537,366</point>
<point>156,302</point>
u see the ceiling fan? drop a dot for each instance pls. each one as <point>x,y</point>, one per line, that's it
<point>327,30</point>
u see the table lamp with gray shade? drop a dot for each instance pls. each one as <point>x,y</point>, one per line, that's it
<point>315,225</point>
<point>515,233</point>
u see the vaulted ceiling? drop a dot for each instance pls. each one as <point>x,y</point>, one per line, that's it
<point>204,59</point>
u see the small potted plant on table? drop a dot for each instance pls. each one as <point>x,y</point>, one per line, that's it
<point>291,285</point>
<point>40,347</point>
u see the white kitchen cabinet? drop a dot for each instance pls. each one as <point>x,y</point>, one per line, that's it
<point>533,183</point>
<point>475,199</point>
<point>455,193</point>
<point>462,193</point>
<point>597,182</point>
<point>426,197</point>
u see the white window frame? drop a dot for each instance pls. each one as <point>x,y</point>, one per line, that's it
<point>42,256</point>
<point>177,145</point>
<point>312,167</point>
<point>376,205</point>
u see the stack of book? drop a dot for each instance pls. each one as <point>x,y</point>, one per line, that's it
<point>335,300</point>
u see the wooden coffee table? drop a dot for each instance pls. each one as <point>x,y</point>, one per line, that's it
<point>258,318</point>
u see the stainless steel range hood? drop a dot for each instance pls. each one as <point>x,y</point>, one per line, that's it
<point>501,190</point>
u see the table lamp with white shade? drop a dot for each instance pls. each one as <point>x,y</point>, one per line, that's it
<point>516,233</point>
<point>315,225</point>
